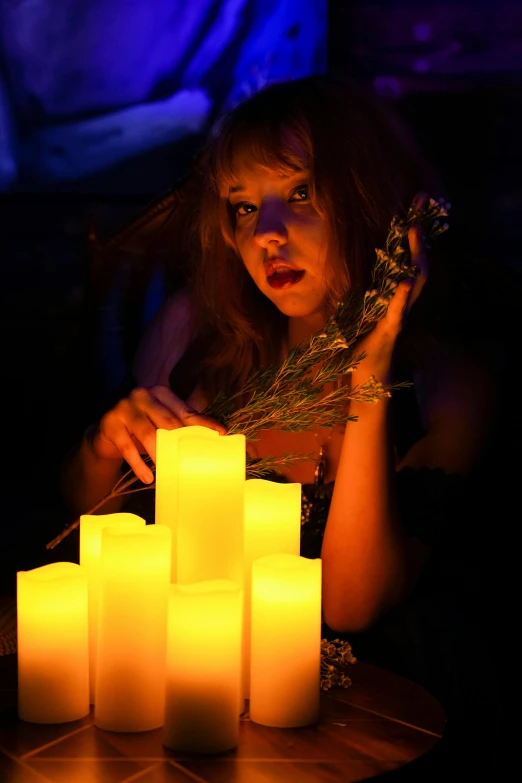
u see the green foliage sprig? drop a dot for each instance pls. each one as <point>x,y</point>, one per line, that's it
<point>290,396</point>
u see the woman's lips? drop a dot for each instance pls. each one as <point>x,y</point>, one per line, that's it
<point>285,278</point>
<point>281,274</point>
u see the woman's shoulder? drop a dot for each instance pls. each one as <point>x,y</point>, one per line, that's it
<point>165,340</point>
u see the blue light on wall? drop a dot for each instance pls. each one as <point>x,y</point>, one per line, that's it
<point>86,85</point>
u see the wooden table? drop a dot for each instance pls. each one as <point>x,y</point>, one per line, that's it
<point>381,723</point>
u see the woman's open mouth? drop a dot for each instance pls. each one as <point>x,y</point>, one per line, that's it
<point>285,277</point>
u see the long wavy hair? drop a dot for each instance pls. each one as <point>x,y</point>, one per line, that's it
<point>364,168</point>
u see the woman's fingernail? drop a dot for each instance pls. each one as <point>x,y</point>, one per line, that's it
<point>147,477</point>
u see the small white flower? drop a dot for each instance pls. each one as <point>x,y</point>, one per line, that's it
<point>340,341</point>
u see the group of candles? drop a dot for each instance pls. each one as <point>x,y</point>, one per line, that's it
<point>176,624</point>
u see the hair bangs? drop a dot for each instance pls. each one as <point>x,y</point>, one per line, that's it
<point>248,144</point>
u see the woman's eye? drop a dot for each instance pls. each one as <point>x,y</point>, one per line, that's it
<point>300,194</point>
<point>243,208</point>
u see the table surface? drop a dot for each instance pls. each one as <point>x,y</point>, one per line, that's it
<point>381,723</point>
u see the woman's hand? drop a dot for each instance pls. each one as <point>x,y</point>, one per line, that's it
<point>380,342</point>
<point>129,429</point>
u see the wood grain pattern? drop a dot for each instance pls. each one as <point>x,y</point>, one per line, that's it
<point>382,723</point>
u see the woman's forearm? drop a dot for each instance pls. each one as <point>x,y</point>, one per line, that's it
<point>364,549</point>
<point>86,479</point>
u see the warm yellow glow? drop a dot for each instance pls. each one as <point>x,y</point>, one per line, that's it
<point>53,644</point>
<point>203,667</point>
<point>167,469</point>
<point>211,485</point>
<point>130,683</point>
<point>286,640</point>
<point>91,527</point>
<point>272,526</point>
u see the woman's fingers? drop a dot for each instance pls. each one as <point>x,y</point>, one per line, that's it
<point>420,201</point>
<point>145,415</point>
<point>129,429</point>
<point>418,252</point>
<point>115,439</point>
<point>417,242</point>
<point>398,306</point>
<point>184,414</point>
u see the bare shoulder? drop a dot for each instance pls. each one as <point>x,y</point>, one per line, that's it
<point>456,391</point>
<point>164,341</point>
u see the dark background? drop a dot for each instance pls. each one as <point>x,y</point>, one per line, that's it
<point>452,70</point>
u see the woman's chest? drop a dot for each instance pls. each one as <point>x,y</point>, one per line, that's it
<point>316,443</point>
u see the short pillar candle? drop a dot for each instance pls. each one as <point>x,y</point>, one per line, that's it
<point>53,644</point>
<point>203,667</point>
<point>130,683</point>
<point>286,641</point>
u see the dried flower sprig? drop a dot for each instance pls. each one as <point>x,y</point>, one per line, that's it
<point>290,396</point>
<point>336,656</point>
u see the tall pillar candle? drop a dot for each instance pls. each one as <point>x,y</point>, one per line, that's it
<point>203,667</point>
<point>167,469</point>
<point>211,480</point>
<point>286,641</point>
<point>91,527</point>
<point>272,526</point>
<point>130,682</point>
<point>53,644</point>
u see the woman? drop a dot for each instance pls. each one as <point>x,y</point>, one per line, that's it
<point>295,192</point>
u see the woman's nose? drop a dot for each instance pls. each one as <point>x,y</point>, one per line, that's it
<point>270,226</point>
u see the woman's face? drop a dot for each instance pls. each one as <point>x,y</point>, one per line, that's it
<point>281,239</point>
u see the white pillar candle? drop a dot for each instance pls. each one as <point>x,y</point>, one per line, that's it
<point>91,527</point>
<point>130,682</point>
<point>286,641</point>
<point>167,469</point>
<point>211,481</point>
<point>204,667</point>
<point>53,644</point>
<point>272,526</point>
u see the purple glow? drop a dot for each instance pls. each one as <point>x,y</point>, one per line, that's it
<point>89,83</point>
